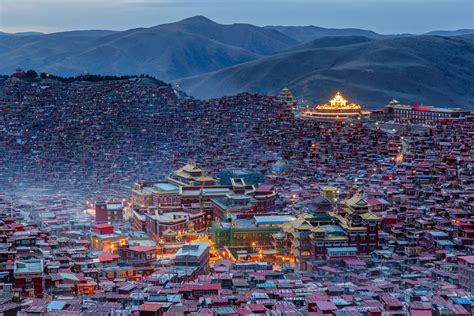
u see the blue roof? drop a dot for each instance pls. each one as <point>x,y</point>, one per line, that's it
<point>194,249</point>
<point>461,300</point>
<point>342,249</point>
<point>444,242</point>
<point>333,229</point>
<point>216,190</point>
<point>56,305</point>
<point>241,172</point>
<point>166,187</point>
<point>273,220</point>
<point>267,285</point>
<point>438,233</point>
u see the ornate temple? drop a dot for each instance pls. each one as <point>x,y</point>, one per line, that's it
<point>337,109</point>
<point>287,97</point>
<point>342,233</point>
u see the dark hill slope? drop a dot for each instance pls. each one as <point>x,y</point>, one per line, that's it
<point>308,33</point>
<point>429,69</point>
<point>165,54</point>
<point>452,33</point>
<point>330,41</point>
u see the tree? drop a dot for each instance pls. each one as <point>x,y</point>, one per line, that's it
<point>31,74</point>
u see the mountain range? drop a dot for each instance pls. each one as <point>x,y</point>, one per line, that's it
<point>423,69</point>
<point>208,59</point>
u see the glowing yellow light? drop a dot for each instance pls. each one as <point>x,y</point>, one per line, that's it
<point>338,103</point>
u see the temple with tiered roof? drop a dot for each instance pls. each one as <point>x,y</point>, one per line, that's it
<point>287,97</point>
<point>337,109</point>
<point>343,233</point>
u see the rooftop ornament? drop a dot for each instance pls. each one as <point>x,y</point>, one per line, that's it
<point>338,103</point>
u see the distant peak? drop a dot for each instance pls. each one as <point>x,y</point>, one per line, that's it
<point>198,18</point>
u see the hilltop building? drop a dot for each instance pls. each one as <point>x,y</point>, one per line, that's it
<point>337,109</point>
<point>421,114</point>
<point>287,97</point>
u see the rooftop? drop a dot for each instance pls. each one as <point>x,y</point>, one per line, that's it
<point>274,219</point>
<point>28,266</point>
<point>195,249</point>
<point>166,187</point>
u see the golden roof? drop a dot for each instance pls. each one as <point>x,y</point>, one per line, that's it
<point>338,103</point>
<point>346,224</point>
<point>357,201</point>
<point>371,216</point>
<point>334,237</point>
<point>305,226</point>
<point>301,220</point>
<point>302,223</point>
<point>186,170</point>
<point>318,229</point>
<point>190,167</point>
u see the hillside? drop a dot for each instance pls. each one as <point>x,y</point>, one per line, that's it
<point>452,33</point>
<point>169,51</point>
<point>255,39</point>
<point>330,41</point>
<point>308,33</point>
<point>419,69</point>
<point>208,59</point>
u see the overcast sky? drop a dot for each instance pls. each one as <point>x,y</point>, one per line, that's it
<point>383,16</point>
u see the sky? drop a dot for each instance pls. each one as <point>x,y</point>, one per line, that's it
<point>383,16</point>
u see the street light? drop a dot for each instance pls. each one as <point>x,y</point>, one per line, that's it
<point>161,242</point>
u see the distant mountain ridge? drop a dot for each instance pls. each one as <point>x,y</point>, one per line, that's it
<point>311,32</point>
<point>192,46</point>
<point>330,41</point>
<point>207,59</point>
<point>239,35</point>
<point>21,34</point>
<point>452,33</point>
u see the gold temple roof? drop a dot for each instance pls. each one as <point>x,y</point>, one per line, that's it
<point>357,201</point>
<point>338,103</point>
<point>190,167</point>
<point>298,223</point>
<point>186,170</point>
<point>371,216</point>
